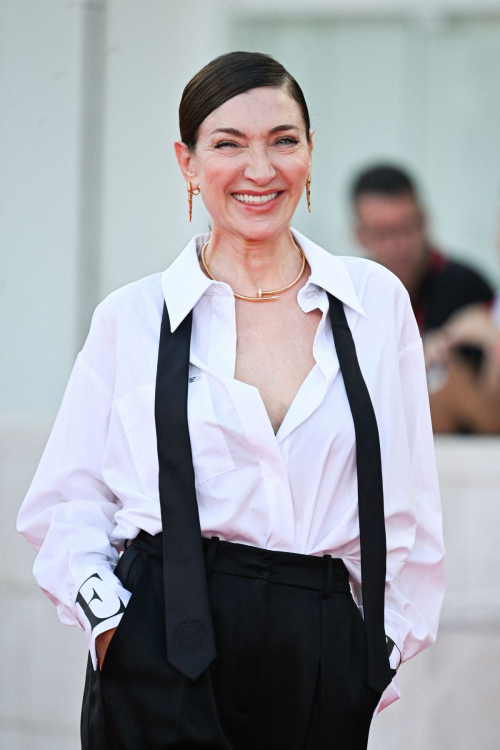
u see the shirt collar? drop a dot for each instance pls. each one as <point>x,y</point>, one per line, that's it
<point>184,283</point>
<point>330,273</point>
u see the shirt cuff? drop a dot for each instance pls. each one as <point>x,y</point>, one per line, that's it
<point>397,628</point>
<point>100,603</point>
<point>394,653</point>
<point>394,650</point>
<point>392,692</point>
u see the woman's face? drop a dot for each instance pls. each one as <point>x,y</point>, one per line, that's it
<point>251,162</point>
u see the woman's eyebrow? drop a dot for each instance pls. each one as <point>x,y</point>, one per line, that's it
<point>231,131</point>
<point>279,128</point>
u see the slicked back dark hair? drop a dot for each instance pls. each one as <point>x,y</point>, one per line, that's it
<point>228,76</point>
<point>383,179</point>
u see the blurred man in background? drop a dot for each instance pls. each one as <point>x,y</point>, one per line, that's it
<point>390,223</point>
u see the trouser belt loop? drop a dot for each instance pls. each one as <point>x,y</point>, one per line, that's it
<point>126,544</point>
<point>209,558</point>
<point>329,576</point>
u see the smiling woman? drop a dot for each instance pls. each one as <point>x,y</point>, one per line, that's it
<point>254,151</point>
<point>266,469</point>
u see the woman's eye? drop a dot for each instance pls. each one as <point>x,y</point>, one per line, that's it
<point>223,144</point>
<point>286,141</point>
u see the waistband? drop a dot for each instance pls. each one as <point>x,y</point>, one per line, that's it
<point>325,573</point>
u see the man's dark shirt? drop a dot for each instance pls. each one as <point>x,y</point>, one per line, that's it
<point>447,286</point>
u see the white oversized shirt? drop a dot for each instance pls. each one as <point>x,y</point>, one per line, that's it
<point>296,491</point>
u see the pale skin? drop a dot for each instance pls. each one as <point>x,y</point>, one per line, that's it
<point>256,144</point>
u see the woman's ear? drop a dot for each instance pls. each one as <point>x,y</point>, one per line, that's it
<point>185,159</point>
<point>311,140</point>
<point>310,146</point>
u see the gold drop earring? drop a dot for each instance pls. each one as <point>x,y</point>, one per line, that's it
<point>191,192</point>
<point>308,192</point>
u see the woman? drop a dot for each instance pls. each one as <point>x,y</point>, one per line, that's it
<point>225,397</point>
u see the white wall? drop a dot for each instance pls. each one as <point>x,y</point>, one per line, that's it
<point>427,9</point>
<point>39,89</point>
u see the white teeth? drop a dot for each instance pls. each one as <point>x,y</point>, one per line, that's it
<point>245,198</point>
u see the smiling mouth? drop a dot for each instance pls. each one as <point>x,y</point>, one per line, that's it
<point>258,199</point>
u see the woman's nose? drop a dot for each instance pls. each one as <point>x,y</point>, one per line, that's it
<point>260,168</point>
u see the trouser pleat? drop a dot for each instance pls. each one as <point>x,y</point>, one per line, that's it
<point>346,703</point>
<point>288,667</point>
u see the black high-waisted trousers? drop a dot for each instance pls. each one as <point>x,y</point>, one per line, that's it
<point>290,672</point>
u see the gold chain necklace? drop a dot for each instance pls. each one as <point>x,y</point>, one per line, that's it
<point>262,296</point>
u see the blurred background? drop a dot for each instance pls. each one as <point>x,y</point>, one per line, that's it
<point>91,198</point>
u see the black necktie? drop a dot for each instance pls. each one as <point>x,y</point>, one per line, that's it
<point>370,498</point>
<point>189,630</point>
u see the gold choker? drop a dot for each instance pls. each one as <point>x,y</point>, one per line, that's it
<point>262,296</point>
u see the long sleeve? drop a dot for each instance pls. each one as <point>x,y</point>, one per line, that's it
<point>414,595</point>
<point>68,513</point>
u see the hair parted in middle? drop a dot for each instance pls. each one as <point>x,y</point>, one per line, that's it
<point>227,76</point>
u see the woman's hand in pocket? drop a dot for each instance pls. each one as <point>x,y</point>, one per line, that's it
<point>101,644</point>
